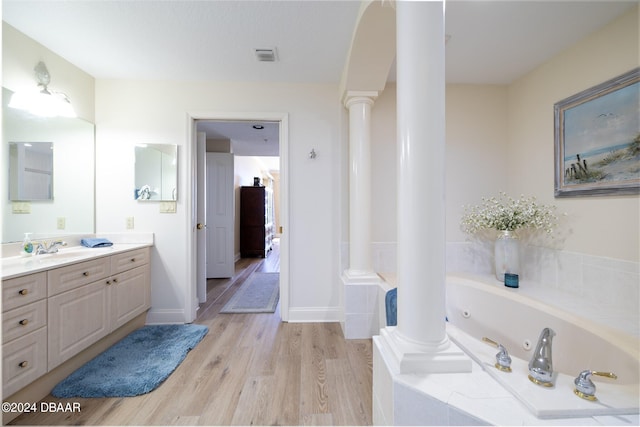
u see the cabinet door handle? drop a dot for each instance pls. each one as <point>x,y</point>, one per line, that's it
<point>23,364</point>
<point>133,260</point>
<point>24,322</point>
<point>85,274</point>
<point>108,282</point>
<point>115,280</point>
<point>23,291</point>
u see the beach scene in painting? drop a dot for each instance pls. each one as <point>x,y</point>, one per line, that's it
<point>602,139</point>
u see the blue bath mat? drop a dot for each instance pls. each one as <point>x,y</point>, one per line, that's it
<point>136,365</point>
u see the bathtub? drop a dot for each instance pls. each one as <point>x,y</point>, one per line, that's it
<point>480,307</point>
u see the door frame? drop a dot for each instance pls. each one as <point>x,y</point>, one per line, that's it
<point>191,202</point>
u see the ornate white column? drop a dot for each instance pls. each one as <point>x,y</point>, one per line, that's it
<point>419,343</point>
<point>359,105</point>
<point>360,281</point>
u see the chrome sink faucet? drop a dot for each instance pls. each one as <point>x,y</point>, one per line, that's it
<point>49,247</point>
<point>541,364</point>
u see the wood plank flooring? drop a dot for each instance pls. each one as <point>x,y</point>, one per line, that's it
<point>250,369</point>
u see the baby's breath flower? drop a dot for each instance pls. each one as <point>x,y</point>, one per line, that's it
<point>504,213</point>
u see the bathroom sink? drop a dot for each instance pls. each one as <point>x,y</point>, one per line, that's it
<point>69,252</point>
<point>60,255</point>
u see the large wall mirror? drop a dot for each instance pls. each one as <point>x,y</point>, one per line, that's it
<point>53,160</point>
<point>156,172</point>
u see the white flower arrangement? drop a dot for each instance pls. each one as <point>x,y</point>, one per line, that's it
<point>503,213</point>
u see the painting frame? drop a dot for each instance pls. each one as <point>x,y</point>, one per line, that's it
<point>597,139</point>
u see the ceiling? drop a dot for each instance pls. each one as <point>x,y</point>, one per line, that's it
<point>492,42</point>
<point>247,138</point>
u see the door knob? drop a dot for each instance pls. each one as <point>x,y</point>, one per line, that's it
<point>200,226</point>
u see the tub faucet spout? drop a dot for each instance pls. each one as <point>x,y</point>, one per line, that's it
<point>541,364</point>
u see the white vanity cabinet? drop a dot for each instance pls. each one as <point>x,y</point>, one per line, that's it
<point>131,286</point>
<point>24,331</point>
<point>91,299</point>
<point>50,316</point>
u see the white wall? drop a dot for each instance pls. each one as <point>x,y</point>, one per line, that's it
<point>476,144</point>
<point>130,112</point>
<point>500,138</point>
<point>72,138</point>
<point>20,54</point>
<point>606,226</point>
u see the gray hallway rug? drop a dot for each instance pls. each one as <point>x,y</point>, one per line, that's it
<point>258,294</point>
<point>135,365</point>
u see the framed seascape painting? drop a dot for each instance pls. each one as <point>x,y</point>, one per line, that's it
<point>597,139</point>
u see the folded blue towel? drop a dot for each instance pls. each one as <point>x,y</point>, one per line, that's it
<point>391,305</point>
<point>96,243</point>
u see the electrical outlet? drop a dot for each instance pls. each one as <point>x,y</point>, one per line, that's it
<point>130,223</point>
<point>62,223</point>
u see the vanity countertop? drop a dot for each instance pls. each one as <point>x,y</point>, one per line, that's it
<point>15,266</point>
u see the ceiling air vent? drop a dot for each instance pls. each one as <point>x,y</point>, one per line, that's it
<point>266,55</point>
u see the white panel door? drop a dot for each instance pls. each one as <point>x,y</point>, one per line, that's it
<point>219,214</point>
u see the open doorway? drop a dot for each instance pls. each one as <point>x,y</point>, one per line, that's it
<point>268,146</point>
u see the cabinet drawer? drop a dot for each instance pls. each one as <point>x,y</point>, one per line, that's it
<point>75,275</point>
<point>24,360</point>
<point>128,260</point>
<point>23,290</point>
<point>23,320</point>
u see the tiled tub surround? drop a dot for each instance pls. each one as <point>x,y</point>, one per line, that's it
<point>489,396</point>
<point>512,317</point>
<point>606,289</point>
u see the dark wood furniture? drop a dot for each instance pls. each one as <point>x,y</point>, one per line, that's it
<point>256,221</point>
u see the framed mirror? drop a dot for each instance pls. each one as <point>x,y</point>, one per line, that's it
<point>156,172</point>
<point>30,171</point>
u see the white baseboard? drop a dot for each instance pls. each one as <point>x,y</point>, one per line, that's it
<point>162,317</point>
<point>314,314</point>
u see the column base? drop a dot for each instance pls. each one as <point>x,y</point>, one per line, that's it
<point>362,310</point>
<point>355,277</point>
<point>411,357</point>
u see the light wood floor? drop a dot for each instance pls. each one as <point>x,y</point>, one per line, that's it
<point>250,369</point>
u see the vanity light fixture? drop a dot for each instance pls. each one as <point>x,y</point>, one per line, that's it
<point>42,102</point>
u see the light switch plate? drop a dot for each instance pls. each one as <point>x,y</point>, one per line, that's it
<point>167,207</point>
<point>62,223</point>
<point>129,223</point>
<point>21,207</point>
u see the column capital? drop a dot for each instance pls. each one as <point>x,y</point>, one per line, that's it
<point>351,97</point>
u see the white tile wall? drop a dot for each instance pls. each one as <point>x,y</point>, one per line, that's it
<point>610,288</point>
<point>612,284</point>
<point>362,307</point>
